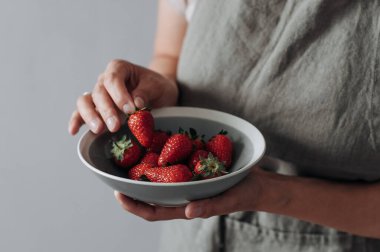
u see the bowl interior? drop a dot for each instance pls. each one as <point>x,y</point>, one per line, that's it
<point>99,148</point>
<point>248,142</point>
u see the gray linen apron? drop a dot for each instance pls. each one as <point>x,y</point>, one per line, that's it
<point>306,73</point>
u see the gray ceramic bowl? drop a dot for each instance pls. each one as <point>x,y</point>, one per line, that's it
<point>249,147</point>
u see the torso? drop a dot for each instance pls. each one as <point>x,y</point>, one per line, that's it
<point>306,73</point>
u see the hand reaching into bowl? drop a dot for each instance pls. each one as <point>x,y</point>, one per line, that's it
<point>120,89</point>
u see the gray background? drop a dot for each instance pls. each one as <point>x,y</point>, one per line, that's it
<point>52,51</point>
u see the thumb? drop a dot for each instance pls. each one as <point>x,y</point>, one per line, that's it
<point>148,94</point>
<point>146,91</point>
<point>219,205</point>
<point>140,99</point>
<point>154,90</point>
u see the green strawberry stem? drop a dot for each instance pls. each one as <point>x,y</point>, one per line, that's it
<point>144,178</point>
<point>193,133</point>
<point>181,130</point>
<point>212,166</point>
<point>223,132</point>
<point>120,146</point>
<point>141,109</point>
<point>196,177</point>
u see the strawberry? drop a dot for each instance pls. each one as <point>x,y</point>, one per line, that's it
<point>176,149</point>
<point>209,167</point>
<point>125,152</point>
<point>220,146</point>
<point>198,141</point>
<point>141,124</point>
<point>196,156</point>
<point>169,174</point>
<point>150,158</point>
<point>159,139</point>
<point>138,170</point>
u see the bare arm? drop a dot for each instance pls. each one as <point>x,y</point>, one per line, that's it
<point>351,207</point>
<point>171,29</point>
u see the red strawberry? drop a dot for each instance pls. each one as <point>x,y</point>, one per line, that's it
<point>141,124</point>
<point>150,158</point>
<point>198,141</point>
<point>169,174</point>
<point>138,170</point>
<point>220,146</point>
<point>176,149</point>
<point>209,167</point>
<point>125,152</point>
<point>196,156</point>
<point>159,139</point>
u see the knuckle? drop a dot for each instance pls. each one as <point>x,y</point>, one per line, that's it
<point>74,114</point>
<point>115,63</point>
<point>96,92</point>
<point>100,78</point>
<point>94,95</point>
<point>110,77</point>
<point>80,101</point>
<point>106,112</point>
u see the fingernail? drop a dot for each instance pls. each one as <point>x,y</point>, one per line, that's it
<point>94,125</point>
<point>139,102</point>
<point>111,122</point>
<point>127,108</point>
<point>116,193</point>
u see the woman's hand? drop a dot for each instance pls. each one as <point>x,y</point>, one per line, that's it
<point>353,207</point>
<point>242,197</point>
<point>121,88</point>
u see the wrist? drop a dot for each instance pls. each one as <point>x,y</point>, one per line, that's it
<point>165,66</point>
<point>274,194</point>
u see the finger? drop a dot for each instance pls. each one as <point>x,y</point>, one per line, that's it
<point>145,94</point>
<point>149,212</point>
<point>241,197</point>
<point>219,205</point>
<point>144,91</point>
<point>140,101</point>
<point>86,109</point>
<point>114,82</point>
<point>106,107</point>
<point>75,123</point>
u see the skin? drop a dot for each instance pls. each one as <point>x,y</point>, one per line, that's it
<point>351,207</point>
<point>123,86</point>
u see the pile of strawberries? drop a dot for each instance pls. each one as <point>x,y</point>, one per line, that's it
<point>158,156</point>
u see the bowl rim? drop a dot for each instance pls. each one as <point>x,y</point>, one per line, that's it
<point>161,112</point>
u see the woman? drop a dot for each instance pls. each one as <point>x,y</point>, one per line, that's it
<point>306,74</point>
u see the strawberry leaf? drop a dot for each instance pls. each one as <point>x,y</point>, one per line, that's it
<point>223,132</point>
<point>120,146</point>
<point>193,133</point>
<point>181,130</point>
<point>144,178</point>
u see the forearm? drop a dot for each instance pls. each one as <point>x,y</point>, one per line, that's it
<point>350,207</point>
<point>171,29</point>
<point>164,65</point>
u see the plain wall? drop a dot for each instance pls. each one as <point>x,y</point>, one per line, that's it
<point>52,51</point>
